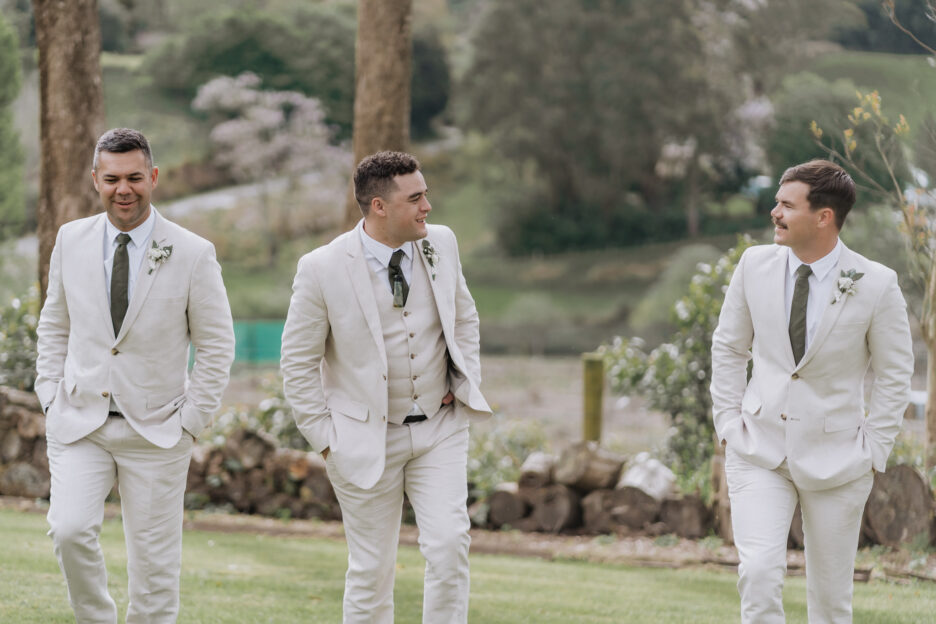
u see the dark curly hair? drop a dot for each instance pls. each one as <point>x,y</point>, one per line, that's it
<point>830,186</point>
<point>373,177</point>
<point>121,141</point>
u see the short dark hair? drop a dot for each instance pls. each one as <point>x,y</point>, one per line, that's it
<point>373,177</point>
<point>121,141</point>
<point>829,186</point>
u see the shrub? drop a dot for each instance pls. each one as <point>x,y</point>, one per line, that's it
<point>18,322</point>
<point>675,377</point>
<point>496,453</point>
<point>272,415</point>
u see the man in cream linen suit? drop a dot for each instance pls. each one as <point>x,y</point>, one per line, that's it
<point>815,315</point>
<point>114,338</point>
<point>381,367</point>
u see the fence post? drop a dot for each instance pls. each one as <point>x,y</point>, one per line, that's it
<point>593,392</point>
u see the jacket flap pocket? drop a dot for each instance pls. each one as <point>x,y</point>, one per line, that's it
<point>155,401</point>
<point>751,403</point>
<point>841,422</point>
<point>347,407</point>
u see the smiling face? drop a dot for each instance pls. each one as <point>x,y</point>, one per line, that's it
<point>401,215</point>
<point>125,184</point>
<point>806,231</point>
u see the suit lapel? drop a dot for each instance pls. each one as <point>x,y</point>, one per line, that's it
<point>145,277</point>
<point>92,256</point>
<point>359,275</point>
<point>831,313</point>
<point>445,311</point>
<point>776,301</point>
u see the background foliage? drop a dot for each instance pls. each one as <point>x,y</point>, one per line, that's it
<point>18,321</point>
<point>675,376</point>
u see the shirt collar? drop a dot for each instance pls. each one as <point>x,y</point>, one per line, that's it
<point>821,267</point>
<point>380,251</point>
<point>138,235</point>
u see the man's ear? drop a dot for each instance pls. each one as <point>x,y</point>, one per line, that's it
<point>155,175</point>
<point>826,217</point>
<point>377,206</point>
<point>94,181</point>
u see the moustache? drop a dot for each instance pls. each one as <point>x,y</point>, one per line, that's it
<point>778,224</point>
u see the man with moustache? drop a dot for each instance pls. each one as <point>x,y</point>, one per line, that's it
<point>128,293</point>
<point>814,315</point>
<point>381,367</point>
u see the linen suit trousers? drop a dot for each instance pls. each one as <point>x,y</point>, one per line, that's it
<point>427,460</point>
<point>762,506</point>
<point>152,487</point>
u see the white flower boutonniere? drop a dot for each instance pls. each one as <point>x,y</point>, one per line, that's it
<point>432,257</point>
<point>156,255</point>
<point>846,284</point>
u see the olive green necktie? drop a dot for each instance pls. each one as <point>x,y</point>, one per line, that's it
<point>798,312</point>
<point>120,280</point>
<point>397,281</point>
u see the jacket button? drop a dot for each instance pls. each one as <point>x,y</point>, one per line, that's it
<point>105,394</point>
<point>114,351</point>
<point>406,313</point>
<point>384,418</point>
<point>795,375</point>
<point>415,396</point>
<point>384,377</point>
<point>412,334</point>
<point>782,416</point>
<point>412,356</point>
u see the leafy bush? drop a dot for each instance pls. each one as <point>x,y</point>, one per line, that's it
<point>496,452</point>
<point>18,322</point>
<point>675,377</point>
<point>272,415</point>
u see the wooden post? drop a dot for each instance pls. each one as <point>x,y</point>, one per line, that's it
<point>593,391</point>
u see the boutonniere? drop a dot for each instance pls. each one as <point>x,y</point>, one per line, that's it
<point>846,284</point>
<point>432,257</point>
<point>156,255</point>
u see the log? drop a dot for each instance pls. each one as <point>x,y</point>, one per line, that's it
<point>557,509</point>
<point>537,470</point>
<point>900,507</point>
<point>649,475</point>
<point>40,456</point>
<point>23,479</point>
<point>586,466</point>
<point>30,425</point>
<point>596,512</point>
<point>10,447</point>
<point>13,396</point>
<point>249,448</point>
<point>686,516</point>
<point>633,508</point>
<point>506,506</point>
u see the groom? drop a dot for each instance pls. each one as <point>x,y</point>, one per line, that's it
<point>814,315</point>
<point>381,367</point>
<point>128,292</point>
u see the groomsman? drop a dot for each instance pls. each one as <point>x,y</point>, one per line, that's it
<point>381,367</point>
<point>814,316</point>
<point>128,292</point>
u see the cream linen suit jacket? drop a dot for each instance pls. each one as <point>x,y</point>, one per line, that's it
<point>334,362</point>
<point>81,363</point>
<point>813,414</point>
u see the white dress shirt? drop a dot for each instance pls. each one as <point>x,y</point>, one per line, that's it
<point>378,257</point>
<point>821,287</point>
<point>136,249</point>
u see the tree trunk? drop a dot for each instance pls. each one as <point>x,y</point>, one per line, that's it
<point>71,116</point>
<point>588,467</point>
<point>383,59</point>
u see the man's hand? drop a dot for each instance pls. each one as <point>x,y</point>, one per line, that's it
<point>448,398</point>
<point>325,453</point>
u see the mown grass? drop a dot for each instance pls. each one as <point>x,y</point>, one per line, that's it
<point>246,578</point>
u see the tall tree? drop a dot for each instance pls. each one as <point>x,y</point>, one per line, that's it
<point>383,60</point>
<point>12,213</point>
<point>71,115</point>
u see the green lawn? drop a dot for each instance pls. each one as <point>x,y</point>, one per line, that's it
<point>245,578</point>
